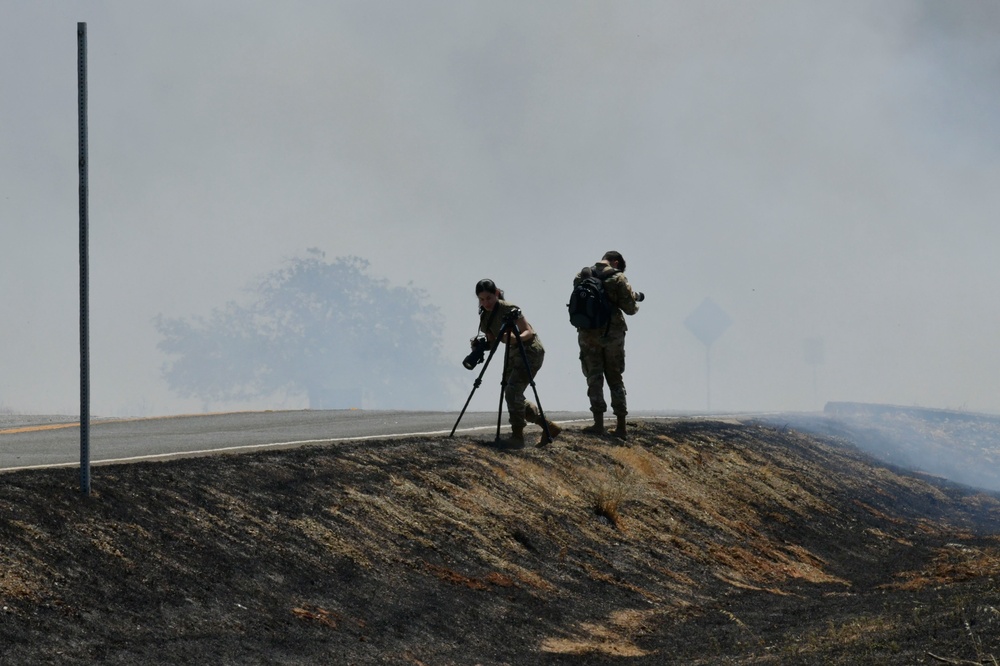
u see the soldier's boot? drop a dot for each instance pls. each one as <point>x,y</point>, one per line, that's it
<point>516,435</point>
<point>554,431</point>
<point>598,427</point>
<point>621,432</point>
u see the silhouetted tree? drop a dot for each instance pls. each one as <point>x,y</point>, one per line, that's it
<point>324,328</point>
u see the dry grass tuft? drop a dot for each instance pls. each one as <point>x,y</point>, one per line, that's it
<point>615,638</point>
<point>954,563</point>
<point>611,491</point>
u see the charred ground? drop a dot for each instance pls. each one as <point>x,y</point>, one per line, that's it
<point>696,542</point>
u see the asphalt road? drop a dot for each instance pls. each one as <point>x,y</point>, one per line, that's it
<point>27,442</point>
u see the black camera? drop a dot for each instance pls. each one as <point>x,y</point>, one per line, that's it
<point>512,316</point>
<point>639,297</point>
<point>480,345</point>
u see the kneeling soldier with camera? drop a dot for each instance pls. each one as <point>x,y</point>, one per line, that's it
<point>503,322</point>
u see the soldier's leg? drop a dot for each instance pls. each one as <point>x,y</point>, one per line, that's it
<point>619,403</point>
<point>614,370</point>
<point>592,364</point>
<point>535,359</point>
<point>517,381</point>
<point>593,370</point>
<point>533,415</point>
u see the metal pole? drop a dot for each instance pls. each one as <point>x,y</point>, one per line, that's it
<point>708,378</point>
<point>81,41</point>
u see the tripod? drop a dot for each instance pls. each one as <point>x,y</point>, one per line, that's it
<point>509,325</point>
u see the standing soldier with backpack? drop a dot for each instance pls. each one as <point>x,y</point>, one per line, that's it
<point>601,293</point>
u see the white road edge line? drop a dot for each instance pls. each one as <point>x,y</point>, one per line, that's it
<point>247,447</point>
<point>272,445</point>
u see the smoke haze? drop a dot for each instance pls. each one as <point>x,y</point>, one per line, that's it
<point>824,173</point>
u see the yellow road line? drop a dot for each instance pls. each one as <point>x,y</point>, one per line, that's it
<point>53,426</point>
<point>76,424</point>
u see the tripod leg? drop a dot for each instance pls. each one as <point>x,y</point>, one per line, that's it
<point>531,381</point>
<point>503,387</point>
<point>475,385</point>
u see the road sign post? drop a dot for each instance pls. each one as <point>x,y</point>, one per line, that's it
<point>707,322</point>
<point>81,42</point>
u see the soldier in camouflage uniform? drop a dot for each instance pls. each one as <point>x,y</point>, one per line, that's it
<point>602,350</point>
<point>492,311</point>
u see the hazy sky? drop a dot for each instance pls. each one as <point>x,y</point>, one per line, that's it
<point>821,171</point>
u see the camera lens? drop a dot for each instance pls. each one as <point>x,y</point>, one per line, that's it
<point>475,357</point>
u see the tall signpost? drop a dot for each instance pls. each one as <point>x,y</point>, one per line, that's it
<point>707,322</point>
<point>81,42</point>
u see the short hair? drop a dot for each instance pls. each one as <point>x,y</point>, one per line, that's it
<point>615,256</point>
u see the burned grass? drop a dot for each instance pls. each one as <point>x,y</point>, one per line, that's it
<point>696,542</point>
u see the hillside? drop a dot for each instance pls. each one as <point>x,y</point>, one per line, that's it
<point>697,542</point>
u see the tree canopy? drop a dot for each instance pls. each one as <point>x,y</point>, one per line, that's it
<point>327,329</point>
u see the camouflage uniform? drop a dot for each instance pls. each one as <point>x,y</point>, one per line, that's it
<point>517,377</point>
<point>602,350</point>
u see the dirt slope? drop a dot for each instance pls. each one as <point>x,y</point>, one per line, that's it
<point>696,542</point>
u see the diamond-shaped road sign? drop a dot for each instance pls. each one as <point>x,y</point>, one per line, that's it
<point>708,321</point>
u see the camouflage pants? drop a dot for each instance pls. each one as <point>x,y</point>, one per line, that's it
<point>519,409</point>
<point>603,357</point>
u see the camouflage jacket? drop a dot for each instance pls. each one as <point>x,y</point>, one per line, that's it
<point>492,324</point>
<point>619,292</point>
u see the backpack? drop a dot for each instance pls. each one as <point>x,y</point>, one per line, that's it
<point>588,305</point>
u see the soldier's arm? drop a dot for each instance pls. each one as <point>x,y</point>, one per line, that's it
<point>621,294</point>
<point>527,333</point>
